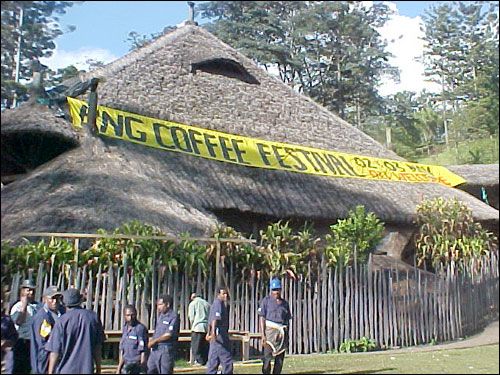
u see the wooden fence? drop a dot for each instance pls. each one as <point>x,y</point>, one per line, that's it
<point>393,308</point>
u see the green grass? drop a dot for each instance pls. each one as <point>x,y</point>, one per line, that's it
<point>482,151</point>
<point>479,360</point>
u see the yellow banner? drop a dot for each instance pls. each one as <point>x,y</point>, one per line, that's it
<point>251,152</point>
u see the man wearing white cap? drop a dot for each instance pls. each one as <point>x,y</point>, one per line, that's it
<point>41,328</point>
<point>22,314</point>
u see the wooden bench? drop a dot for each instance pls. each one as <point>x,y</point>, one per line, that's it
<point>244,337</point>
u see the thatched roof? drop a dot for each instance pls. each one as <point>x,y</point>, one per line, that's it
<point>477,174</point>
<point>106,182</point>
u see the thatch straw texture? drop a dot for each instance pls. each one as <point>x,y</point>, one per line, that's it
<point>106,182</point>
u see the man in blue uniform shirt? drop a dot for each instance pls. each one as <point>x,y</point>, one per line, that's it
<point>218,335</point>
<point>9,338</point>
<point>41,328</point>
<point>133,345</point>
<point>275,315</point>
<point>76,339</point>
<point>163,345</point>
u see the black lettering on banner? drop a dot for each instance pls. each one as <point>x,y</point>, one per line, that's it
<point>84,110</point>
<point>278,156</point>
<point>194,141</point>
<point>340,166</point>
<point>359,162</point>
<point>290,151</point>
<point>156,128</point>
<point>306,155</point>
<point>322,161</point>
<point>348,167</point>
<point>210,145</point>
<point>128,129</point>
<point>117,126</point>
<point>263,153</point>
<point>239,153</point>
<point>174,130</point>
<point>225,149</point>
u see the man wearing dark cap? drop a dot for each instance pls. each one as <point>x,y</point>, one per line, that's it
<point>76,339</point>
<point>219,352</point>
<point>22,314</point>
<point>163,345</point>
<point>274,313</point>
<point>133,344</point>
<point>41,327</point>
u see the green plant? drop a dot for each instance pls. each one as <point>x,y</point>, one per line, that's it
<point>447,232</point>
<point>364,344</point>
<point>356,235</point>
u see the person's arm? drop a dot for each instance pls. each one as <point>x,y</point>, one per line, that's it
<point>20,311</point>
<point>212,332</point>
<point>121,361</point>
<point>97,354</point>
<point>262,311</point>
<point>53,358</point>
<point>191,313</point>
<point>144,353</point>
<point>262,322</point>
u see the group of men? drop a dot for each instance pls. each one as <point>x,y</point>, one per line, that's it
<point>59,336</point>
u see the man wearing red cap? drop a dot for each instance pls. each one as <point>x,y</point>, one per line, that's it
<point>274,312</point>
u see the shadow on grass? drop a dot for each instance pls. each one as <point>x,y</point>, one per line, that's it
<point>377,371</point>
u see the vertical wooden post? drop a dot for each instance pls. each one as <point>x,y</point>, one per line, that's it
<point>217,264</point>
<point>75,265</point>
<point>92,113</point>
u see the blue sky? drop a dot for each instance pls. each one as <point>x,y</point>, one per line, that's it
<point>102,28</point>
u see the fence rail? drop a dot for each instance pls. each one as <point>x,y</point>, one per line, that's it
<point>392,307</point>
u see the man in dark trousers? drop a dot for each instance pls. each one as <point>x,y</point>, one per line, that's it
<point>41,328</point>
<point>198,310</point>
<point>22,314</point>
<point>218,334</point>
<point>133,344</point>
<point>163,345</point>
<point>9,338</point>
<point>274,313</point>
<point>76,339</point>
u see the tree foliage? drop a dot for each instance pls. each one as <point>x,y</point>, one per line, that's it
<point>331,51</point>
<point>39,29</point>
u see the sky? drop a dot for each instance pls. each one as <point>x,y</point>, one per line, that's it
<point>102,29</point>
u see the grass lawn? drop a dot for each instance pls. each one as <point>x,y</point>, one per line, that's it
<point>479,360</point>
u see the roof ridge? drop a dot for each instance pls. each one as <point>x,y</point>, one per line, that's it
<point>138,53</point>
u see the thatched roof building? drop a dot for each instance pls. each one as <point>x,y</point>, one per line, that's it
<point>481,178</point>
<point>191,77</point>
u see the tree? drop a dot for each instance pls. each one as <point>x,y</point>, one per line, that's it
<point>331,51</point>
<point>38,31</point>
<point>461,54</point>
<point>137,41</point>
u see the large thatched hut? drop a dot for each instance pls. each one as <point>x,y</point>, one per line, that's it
<point>191,77</point>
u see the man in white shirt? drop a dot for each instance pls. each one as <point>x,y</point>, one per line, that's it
<point>22,315</point>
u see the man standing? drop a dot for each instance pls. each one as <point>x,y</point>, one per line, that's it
<point>76,339</point>
<point>22,314</point>
<point>274,318</point>
<point>41,327</point>
<point>218,335</point>
<point>163,345</point>
<point>9,338</point>
<point>198,317</point>
<point>133,345</point>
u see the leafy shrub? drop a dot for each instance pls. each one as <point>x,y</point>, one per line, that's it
<point>360,232</point>
<point>364,344</point>
<point>448,232</point>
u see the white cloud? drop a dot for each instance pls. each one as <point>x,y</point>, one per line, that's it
<point>403,34</point>
<point>61,58</point>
